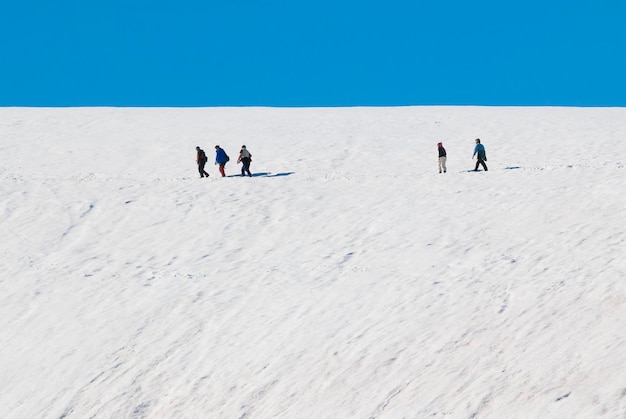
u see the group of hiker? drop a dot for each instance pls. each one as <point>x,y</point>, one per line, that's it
<point>479,153</point>
<point>245,158</point>
<point>221,158</point>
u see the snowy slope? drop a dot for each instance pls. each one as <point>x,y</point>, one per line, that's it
<point>346,279</point>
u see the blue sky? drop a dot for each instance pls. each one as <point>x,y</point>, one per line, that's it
<point>312,53</point>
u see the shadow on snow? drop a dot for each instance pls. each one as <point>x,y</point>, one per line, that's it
<point>266,174</point>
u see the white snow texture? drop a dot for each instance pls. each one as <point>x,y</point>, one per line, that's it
<point>346,279</point>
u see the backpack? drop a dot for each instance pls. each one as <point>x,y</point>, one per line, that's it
<point>201,155</point>
<point>227,158</point>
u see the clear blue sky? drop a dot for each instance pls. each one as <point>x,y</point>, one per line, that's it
<point>312,52</point>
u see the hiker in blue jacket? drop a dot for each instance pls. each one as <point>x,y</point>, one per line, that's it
<point>479,150</point>
<point>221,158</point>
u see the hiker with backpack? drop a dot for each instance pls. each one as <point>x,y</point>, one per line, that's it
<point>221,158</point>
<point>245,158</point>
<point>201,159</point>
<point>481,155</point>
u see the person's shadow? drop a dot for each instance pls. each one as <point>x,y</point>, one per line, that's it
<point>266,174</point>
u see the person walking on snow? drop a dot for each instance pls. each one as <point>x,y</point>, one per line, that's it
<point>245,158</point>
<point>201,159</point>
<point>479,151</point>
<point>442,157</point>
<point>221,158</point>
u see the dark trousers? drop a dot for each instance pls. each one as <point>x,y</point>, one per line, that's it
<point>203,173</point>
<point>245,168</point>
<point>479,162</point>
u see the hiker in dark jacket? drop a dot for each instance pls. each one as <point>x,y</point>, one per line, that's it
<point>479,151</point>
<point>221,158</point>
<point>201,159</point>
<point>442,157</point>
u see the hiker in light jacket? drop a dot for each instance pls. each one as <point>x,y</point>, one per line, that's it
<point>245,158</point>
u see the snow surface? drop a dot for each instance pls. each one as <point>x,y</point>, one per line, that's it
<point>346,279</point>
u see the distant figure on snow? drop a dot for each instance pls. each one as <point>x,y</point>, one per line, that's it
<point>201,159</point>
<point>221,158</point>
<point>442,158</point>
<point>245,158</point>
<point>482,156</point>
